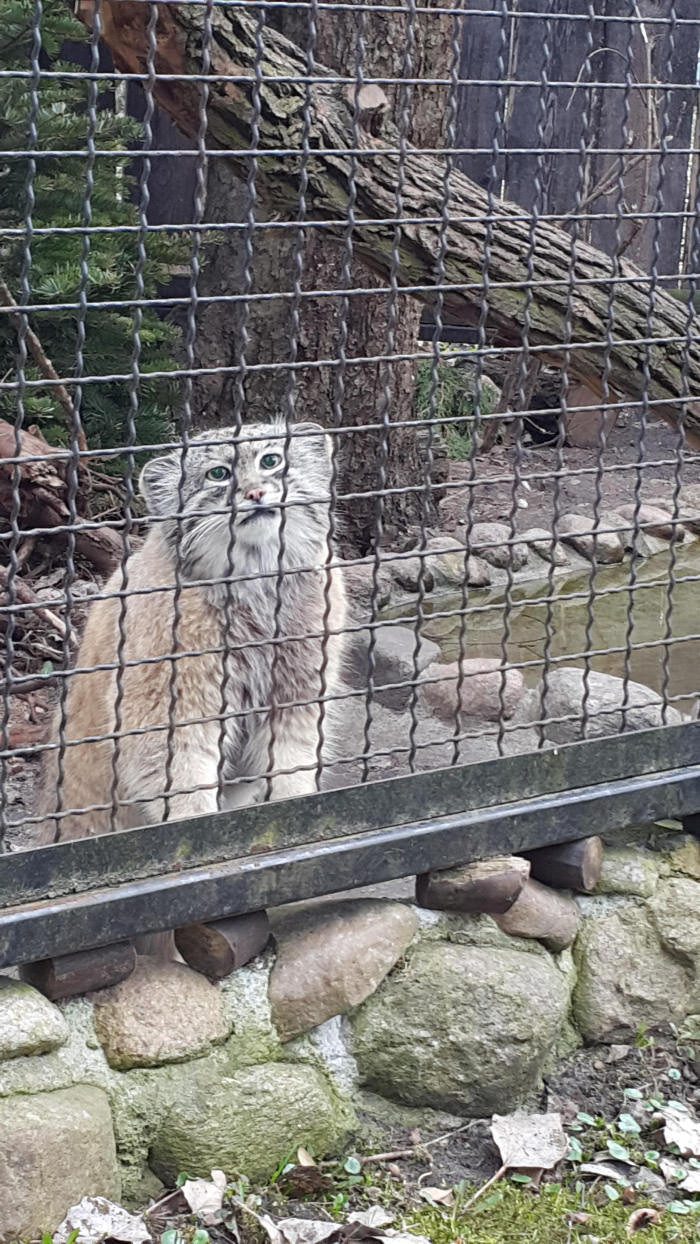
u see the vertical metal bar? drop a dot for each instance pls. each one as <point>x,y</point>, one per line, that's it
<point>201,165</point>
<point>635,555</point>
<point>383,413</point>
<point>610,321</point>
<point>339,380</point>
<point>585,144</point>
<point>22,332</point>
<point>492,190</point>
<point>289,404</point>
<point>525,362</point>
<point>240,383</point>
<point>134,396</point>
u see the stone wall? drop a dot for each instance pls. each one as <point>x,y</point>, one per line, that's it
<point>118,1092</point>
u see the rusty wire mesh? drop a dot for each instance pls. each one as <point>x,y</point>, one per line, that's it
<point>586,120</point>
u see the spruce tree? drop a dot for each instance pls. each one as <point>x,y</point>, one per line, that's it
<point>59,261</point>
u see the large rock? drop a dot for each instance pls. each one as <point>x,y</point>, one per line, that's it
<point>463,1028</point>
<point>413,574</point>
<point>592,540</point>
<point>55,1148</point>
<point>606,696</point>
<point>29,1023</point>
<point>625,977</point>
<point>363,582</point>
<point>492,542</point>
<point>675,907</point>
<point>162,1013</point>
<point>485,690</point>
<point>687,511</point>
<point>397,659</point>
<point>654,520</point>
<point>248,1121</point>
<point>333,956</point>
<point>541,541</point>
<point>447,564</point>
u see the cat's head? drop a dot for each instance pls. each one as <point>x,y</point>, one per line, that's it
<point>221,501</point>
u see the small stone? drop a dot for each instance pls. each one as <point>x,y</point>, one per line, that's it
<point>564,698</point>
<point>331,957</point>
<point>484,691</point>
<point>627,872</point>
<point>55,1148</point>
<point>654,521</point>
<point>397,659</point>
<point>497,544</point>
<point>597,545</point>
<point>29,1023</point>
<point>463,1028</point>
<point>163,1013</point>
<point>540,540</point>
<point>247,1121</point>
<point>412,573</point>
<point>625,977</point>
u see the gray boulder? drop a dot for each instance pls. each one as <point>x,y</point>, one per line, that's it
<point>463,1028</point>
<point>604,701</point>
<point>397,659</point>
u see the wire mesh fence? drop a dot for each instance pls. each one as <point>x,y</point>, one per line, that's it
<point>350,394</point>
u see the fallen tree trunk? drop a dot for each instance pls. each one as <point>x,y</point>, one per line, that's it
<point>568,278</point>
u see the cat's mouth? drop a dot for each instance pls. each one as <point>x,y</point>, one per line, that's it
<point>260,511</point>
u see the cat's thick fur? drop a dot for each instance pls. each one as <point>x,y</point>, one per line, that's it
<point>238,685</point>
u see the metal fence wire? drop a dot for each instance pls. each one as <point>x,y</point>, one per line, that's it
<point>350,394</point>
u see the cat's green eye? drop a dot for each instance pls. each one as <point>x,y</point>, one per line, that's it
<point>269,461</point>
<point>218,474</point>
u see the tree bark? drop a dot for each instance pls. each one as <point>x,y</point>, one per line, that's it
<point>361,392</point>
<point>573,283</point>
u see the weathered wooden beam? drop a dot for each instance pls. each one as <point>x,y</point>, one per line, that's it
<point>487,886</point>
<point>569,866</point>
<point>305,136</point>
<point>543,914</point>
<point>66,976</point>
<point>219,947</point>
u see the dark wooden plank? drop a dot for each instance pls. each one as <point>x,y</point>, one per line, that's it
<point>570,866</point>
<point>78,921</point>
<point>66,976</point>
<point>70,867</point>
<point>218,947</point>
<point>486,886</point>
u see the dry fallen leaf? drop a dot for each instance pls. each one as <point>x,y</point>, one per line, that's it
<point>205,1196</point>
<point>529,1141</point>
<point>640,1218</point>
<point>681,1129</point>
<point>96,1219</point>
<point>441,1196</point>
<point>304,1158</point>
<point>579,1218</point>
<point>374,1217</point>
<point>691,1183</point>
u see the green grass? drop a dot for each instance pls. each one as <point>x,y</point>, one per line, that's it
<point>512,1214</point>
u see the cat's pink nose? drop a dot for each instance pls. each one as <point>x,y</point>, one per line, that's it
<point>255,494</point>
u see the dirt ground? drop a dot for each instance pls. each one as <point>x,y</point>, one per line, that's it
<point>571,477</point>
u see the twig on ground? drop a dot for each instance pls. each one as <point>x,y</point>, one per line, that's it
<point>485,1187</point>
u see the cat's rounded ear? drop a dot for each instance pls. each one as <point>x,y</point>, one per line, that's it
<point>158,484</point>
<point>316,438</point>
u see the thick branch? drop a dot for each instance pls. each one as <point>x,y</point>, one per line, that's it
<point>573,284</point>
